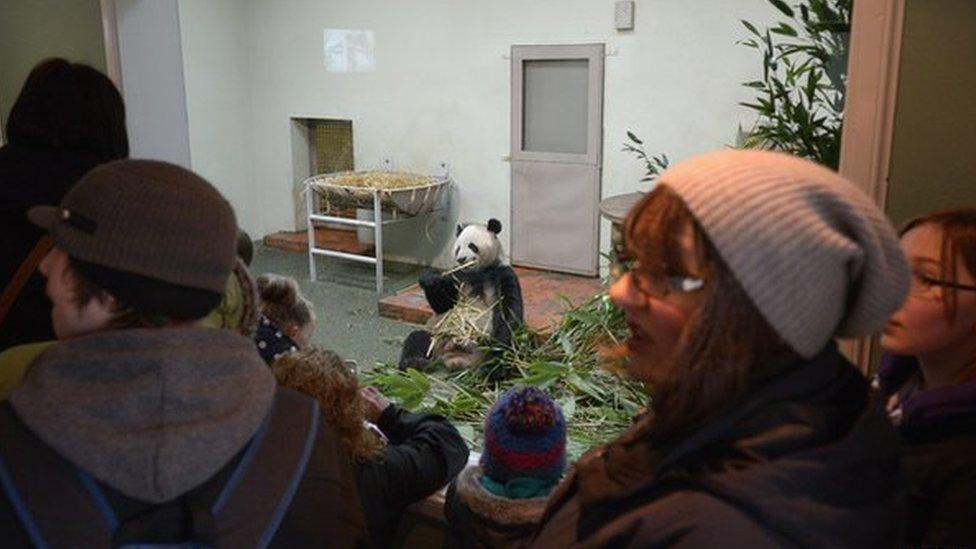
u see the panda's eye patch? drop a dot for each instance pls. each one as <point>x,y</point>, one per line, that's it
<point>473,247</point>
<point>457,249</point>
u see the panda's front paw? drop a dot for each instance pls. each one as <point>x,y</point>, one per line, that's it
<point>418,363</point>
<point>430,278</point>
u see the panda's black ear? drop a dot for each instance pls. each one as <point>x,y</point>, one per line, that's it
<point>459,229</point>
<point>494,225</point>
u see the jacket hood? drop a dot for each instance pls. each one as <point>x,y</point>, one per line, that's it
<point>929,412</point>
<point>494,508</point>
<point>809,456</point>
<point>151,412</point>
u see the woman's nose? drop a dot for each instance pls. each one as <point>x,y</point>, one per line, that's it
<point>623,294</point>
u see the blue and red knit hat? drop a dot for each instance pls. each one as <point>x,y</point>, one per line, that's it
<point>525,437</point>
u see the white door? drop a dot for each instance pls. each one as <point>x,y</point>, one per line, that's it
<point>557,138</point>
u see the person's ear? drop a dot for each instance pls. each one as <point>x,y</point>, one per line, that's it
<point>107,300</point>
<point>101,309</point>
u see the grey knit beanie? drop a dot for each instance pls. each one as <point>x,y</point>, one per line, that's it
<point>813,253</point>
<point>152,233</point>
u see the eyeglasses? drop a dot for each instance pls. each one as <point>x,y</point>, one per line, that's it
<point>931,288</point>
<point>660,286</point>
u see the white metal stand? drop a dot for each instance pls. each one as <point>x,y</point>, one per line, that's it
<point>376,224</point>
<point>431,201</point>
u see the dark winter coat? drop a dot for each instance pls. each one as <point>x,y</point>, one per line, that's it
<point>151,414</point>
<point>29,177</point>
<point>271,341</point>
<point>478,518</point>
<point>938,430</point>
<point>424,453</point>
<point>808,460</point>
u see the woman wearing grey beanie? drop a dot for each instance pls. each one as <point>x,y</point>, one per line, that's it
<point>746,265</point>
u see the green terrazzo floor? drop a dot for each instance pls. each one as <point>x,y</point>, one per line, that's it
<point>345,301</point>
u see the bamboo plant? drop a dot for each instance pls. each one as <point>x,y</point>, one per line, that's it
<point>800,95</point>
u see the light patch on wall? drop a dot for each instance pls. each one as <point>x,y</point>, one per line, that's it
<point>348,50</point>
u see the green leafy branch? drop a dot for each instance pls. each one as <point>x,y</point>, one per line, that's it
<point>654,165</point>
<point>597,404</point>
<point>800,97</point>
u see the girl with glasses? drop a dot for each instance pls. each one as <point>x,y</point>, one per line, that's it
<point>929,376</point>
<point>745,265</point>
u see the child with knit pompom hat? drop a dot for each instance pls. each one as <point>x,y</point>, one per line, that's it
<point>499,502</point>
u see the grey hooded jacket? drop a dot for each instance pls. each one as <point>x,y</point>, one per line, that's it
<point>153,413</point>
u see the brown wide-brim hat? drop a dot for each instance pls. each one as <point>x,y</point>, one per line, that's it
<point>147,218</point>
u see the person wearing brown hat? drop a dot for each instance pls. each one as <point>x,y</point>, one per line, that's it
<point>139,425</point>
<point>745,266</point>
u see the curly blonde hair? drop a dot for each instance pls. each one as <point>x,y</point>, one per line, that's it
<point>324,376</point>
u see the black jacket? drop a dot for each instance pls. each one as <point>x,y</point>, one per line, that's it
<point>941,472</point>
<point>808,460</point>
<point>424,453</point>
<point>938,433</point>
<point>30,177</point>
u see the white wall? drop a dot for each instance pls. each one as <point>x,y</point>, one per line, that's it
<point>440,90</point>
<point>218,100</point>
<point>151,63</point>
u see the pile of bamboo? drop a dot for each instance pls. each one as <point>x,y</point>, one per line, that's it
<point>466,322</point>
<point>380,180</point>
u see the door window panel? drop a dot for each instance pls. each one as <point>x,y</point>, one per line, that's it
<point>554,105</point>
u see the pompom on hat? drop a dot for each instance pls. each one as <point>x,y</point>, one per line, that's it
<point>525,437</point>
<point>814,254</point>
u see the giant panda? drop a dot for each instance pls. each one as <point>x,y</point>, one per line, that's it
<point>486,281</point>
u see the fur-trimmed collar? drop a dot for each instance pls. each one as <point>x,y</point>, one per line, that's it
<point>498,509</point>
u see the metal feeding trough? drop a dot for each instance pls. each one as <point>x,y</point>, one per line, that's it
<point>403,195</point>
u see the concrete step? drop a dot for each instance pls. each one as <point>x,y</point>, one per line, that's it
<point>333,239</point>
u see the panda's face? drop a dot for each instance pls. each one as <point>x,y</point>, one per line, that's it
<point>477,243</point>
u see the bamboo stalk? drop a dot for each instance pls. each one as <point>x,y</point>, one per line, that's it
<point>460,267</point>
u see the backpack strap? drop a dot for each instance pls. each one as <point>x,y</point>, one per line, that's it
<point>59,504</point>
<point>23,273</point>
<point>253,511</point>
<point>34,477</point>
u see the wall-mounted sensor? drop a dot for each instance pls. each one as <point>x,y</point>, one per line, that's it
<point>623,15</point>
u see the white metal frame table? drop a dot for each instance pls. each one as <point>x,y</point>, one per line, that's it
<point>439,201</point>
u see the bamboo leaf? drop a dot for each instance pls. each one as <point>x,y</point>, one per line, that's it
<point>566,345</point>
<point>751,27</point>
<point>569,408</point>
<point>784,30</point>
<point>782,6</point>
